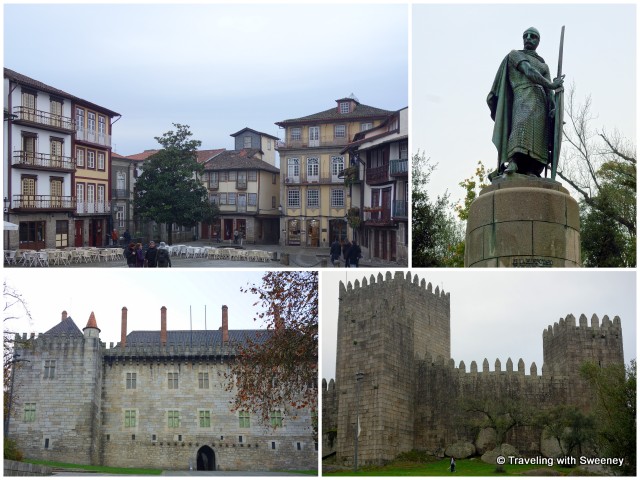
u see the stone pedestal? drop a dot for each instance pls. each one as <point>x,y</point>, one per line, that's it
<point>521,221</point>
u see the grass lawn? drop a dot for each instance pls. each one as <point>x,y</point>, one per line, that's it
<point>464,468</point>
<point>97,468</point>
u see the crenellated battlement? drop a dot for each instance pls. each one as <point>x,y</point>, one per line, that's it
<point>153,352</point>
<point>398,279</point>
<point>55,341</point>
<point>569,323</point>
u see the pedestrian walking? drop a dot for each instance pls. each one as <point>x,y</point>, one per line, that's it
<point>139,256</point>
<point>151,257</point>
<point>163,257</point>
<point>346,247</point>
<point>355,254</point>
<point>335,251</point>
<point>130,255</point>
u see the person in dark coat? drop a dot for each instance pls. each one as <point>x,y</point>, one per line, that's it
<point>355,253</point>
<point>139,256</point>
<point>130,255</point>
<point>163,258</point>
<point>151,257</point>
<point>335,251</point>
<point>345,252</point>
<point>127,237</point>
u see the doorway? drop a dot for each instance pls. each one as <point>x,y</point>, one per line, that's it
<point>206,459</point>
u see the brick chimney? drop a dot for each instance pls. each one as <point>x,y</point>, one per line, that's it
<point>123,329</point>
<point>225,325</point>
<point>163,326</point>
<point>64,315</point>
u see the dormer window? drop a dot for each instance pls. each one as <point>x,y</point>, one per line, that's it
<point>344,107</point>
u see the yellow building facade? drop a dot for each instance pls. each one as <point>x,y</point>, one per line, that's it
<point>315,193</point>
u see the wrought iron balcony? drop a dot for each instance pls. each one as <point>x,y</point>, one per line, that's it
<point>399,166</point>
<point>43,161</point>
<point>323,141</point>
<point>46,119</point>
<point>39,203</point>
<point>93,136</point>
<point>377,215</point>
<point>120,194</point>
<point>90,208</point>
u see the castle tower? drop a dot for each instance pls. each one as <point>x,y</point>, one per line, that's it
<point>58,385</point>
<point>384,325</point>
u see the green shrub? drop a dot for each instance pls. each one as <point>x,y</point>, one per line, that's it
<point>11,451</point>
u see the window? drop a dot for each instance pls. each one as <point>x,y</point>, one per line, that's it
<point>31,232</point>
<point>224,176</point>
<point>91,194</point>
<point>313,167</point>
<point>101,198</point>
<point>102,125</point>
<point>223,199</point>
<point>274,178</point>
<point>339,131</point>
<point>173,381</point>
<point>293,198</point>
<point>205,418</point>
<point>313,198</point>
<point>29,148</point>
<point>276,418</point>
<point>121,181</point>
<point>231,198</point>
<point>273,201</point>
<point>174,418</point>
<point>252,175</point>
<point>49,369</point>
<point>129,418</point>
<point>91,159</point>
<point>298,446</point>
<point>29,104</point>
<point>273,445</point>
<point>120,216</point>
<point>79,119</point>
<point>62,233</point>
<point>203,380</point>
<point>29,412</point>
<point>80,192</point>
<point>28,189</point>
<point>239,438</point>
<point>91,121</point>
<point>46,443</point>
<point>245,419</point>
<point>55,185</point>
<point>296,134</point>
<point>253,199</point>
<point>337,198</point>
<point>101,160</point>
<point>131,381</point>
<point>55,107</point>
<point>366,126</point>
<point>293,167</point>
<point>337,166</point>
<point>268,144</point>
<point>80,157</point>
<point>247,142</point>
<point>233,175</point>
<point>214,199</point>
<point>344,107</point>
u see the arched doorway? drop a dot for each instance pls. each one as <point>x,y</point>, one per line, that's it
<point>206,459</point>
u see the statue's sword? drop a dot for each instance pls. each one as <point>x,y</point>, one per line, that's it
<point>559,117</point>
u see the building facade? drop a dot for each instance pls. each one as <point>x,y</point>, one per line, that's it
<point>49,160</point>
<point>314,195</point>
<point>157,399</point>
<point>123,175</point>
<point>381,155</point>
<point>395,332</point>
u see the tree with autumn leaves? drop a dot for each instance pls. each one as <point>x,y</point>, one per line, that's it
<point>279,370</point>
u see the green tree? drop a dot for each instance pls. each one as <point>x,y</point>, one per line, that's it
<point>279,371</point>
<point>472,186</point>
<point>573,430</point>
<point>169,189</point>
<point>437,237</point>
<point>601,167</point>
<point>615,412</point>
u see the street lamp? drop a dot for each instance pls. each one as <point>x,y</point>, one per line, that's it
<point>16,359</point>
<point>356,430</point>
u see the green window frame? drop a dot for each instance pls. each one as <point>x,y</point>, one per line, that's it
<point>174,418</point>
<point>29,412</point>
<point>129,418</point>
<point>205,418</point>
<point>276,418</point>
<point>244,419</point>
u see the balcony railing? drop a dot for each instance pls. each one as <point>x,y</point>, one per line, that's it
<point>47,119</point>
<point>377,175</point>
<point>43,161</point>
<point>88,208</point>
<point>323,178</point>
<point>377,216</point>
<point>119,193</point>
<point>327,141</point>
<point>400,209</point>
<point>399,167</point>
<point>42,202</point>
<point>93,136</point>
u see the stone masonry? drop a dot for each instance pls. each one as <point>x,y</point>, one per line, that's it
<point>396,331</point>
<point>156,400</point>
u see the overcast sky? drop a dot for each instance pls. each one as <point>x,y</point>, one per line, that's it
<point>502,314</point>
<point>457,50</point>
<point>143,292</point>
<point>217,68</point>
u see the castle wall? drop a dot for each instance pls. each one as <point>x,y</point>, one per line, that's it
<point>152,442</point>
<point>57,417</point>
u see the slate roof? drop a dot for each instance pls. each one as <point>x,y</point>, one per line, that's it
<point>38,85</point>
<point>239,160</point>
<point>65,327</point>
<point>245,129</point>
<point>197,337</point>
<point>359,112</point>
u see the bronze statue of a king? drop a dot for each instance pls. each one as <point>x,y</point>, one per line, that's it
<point>523,107</point>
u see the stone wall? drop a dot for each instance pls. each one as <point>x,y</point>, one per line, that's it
<point>19,469</point>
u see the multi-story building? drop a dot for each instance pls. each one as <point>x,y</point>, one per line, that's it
<point>42,170</point>
<point>92,148</point>
<point>245,184</point>
<point>382,155</point>
<point>123,175</point>
<point>157,399</point>
<point>38,162</point>
<point>315,194</point>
